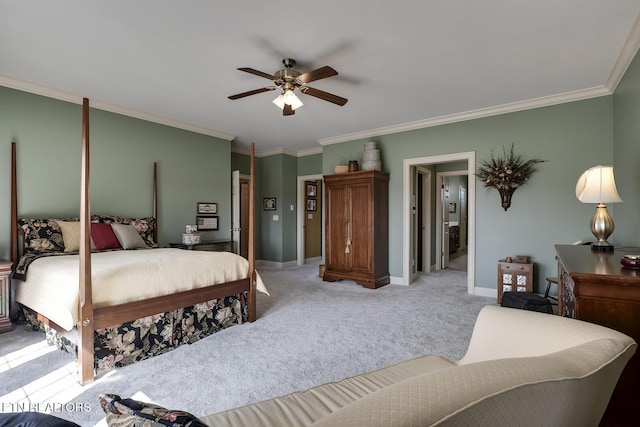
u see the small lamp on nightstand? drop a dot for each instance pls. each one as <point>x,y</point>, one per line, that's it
<point>598,185</point>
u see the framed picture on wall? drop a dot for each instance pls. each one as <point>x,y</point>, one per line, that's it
<point>452,208</point>
<point>311,204</point>
<point>312,190</point>
<point>269,203</point>
<point>207,222</point>
<point>207,208</point>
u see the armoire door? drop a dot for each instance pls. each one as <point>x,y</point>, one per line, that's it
<point>361,227</point>
<point>337,223</point>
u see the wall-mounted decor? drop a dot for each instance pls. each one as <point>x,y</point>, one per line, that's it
<point>207,223</point>
<point>269,203</point>
<point>311,204</point>
<point>207,208</point>
<point>312,190</point>
<point>506,173</point>
<point>452,208</point>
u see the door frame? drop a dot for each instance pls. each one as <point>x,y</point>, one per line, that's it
<point>407,191</point>
<point>426,220</point>
<point>301,191</point>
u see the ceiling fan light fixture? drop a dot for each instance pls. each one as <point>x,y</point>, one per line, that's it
<point>291,99</point>
<point>288,97</point>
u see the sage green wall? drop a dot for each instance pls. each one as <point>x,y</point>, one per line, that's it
<point>627,157</point>
<point>278,237</point>
<point>270,241</point>
<point>310,165</point>
<point>277,177</point>
<point>289,216</point>
<point>572,136</point>
<point>242,163</point>
<point>191,167</point>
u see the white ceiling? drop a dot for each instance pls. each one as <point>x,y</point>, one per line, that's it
<point>402,64</point>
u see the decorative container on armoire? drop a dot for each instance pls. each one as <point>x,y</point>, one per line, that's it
<point>357,228</point>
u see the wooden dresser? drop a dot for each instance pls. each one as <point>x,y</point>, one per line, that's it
<point>357,228</point>
<point>5,295</point>
<point>595,287</point>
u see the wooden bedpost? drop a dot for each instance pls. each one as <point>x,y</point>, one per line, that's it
<point>85,325</point>
<point>14,207</point>
<point>251,250</point>
<point>155,202</point>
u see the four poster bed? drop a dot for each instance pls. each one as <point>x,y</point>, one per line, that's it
<point>127,300</point>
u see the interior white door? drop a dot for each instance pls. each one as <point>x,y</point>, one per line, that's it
<point>463,219</point>
<point>445,221</point>
<point>235,211</point>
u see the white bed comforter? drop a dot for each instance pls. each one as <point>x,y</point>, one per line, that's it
<point>119,277</point>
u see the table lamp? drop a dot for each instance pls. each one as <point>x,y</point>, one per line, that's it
<point>597,185</point>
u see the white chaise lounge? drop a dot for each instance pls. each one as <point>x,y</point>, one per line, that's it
<point>521,368</point>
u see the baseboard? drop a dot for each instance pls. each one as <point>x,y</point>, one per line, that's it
<point>485,292</point>
<point>276,264</point>
<point>312,260</point>
<point>393,280</point>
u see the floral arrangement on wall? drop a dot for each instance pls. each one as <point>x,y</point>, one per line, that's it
<point>506,173</point>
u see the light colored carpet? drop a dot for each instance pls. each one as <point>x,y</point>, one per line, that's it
<point>308,332</point>
<point>458,261</point>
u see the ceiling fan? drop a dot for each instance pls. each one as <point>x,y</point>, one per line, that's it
<point>290,80</point>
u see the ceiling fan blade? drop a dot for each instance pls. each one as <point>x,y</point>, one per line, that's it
<point>287,110</point>
<point>258,73</point>
<point>251,92</point>
<point>320,73</point>
<point>324,95</point>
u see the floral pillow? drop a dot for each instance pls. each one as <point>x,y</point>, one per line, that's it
<point>132,413</point>
<point>42,235</point>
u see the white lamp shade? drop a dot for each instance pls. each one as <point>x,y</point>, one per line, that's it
<point>597,185</point>
<point>288,97</point>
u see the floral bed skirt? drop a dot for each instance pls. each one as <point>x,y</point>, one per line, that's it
<point>121,345</point>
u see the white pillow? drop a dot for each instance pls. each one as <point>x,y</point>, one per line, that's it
<point>128,236</point>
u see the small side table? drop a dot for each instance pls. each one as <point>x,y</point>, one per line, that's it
<point>514,277</point>
<point>5,295</point>
<point>214,246</point>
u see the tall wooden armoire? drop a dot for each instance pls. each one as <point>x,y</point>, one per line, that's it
<point>357,228</point>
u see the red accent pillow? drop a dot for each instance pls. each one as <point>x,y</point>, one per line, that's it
<point>103,236</point>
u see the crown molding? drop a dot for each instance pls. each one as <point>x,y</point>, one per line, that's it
<point>473,114</point>
<point>105,106</point>
<point>276,151</point>
<point>627,54</point>
<point>310,152</point>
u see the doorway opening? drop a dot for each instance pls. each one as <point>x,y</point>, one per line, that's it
<point>310,224</point>
<point>412,171</point>
<point>451,218</point>
<point>240,213</point>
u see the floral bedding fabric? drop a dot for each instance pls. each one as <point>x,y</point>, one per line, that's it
<point>43,237</point>
<point>133,413</point>
<point>121,345</point>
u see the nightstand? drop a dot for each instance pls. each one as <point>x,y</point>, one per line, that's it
<point>5,295</point>
<point>514,277</point>
<point>215,246</point>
